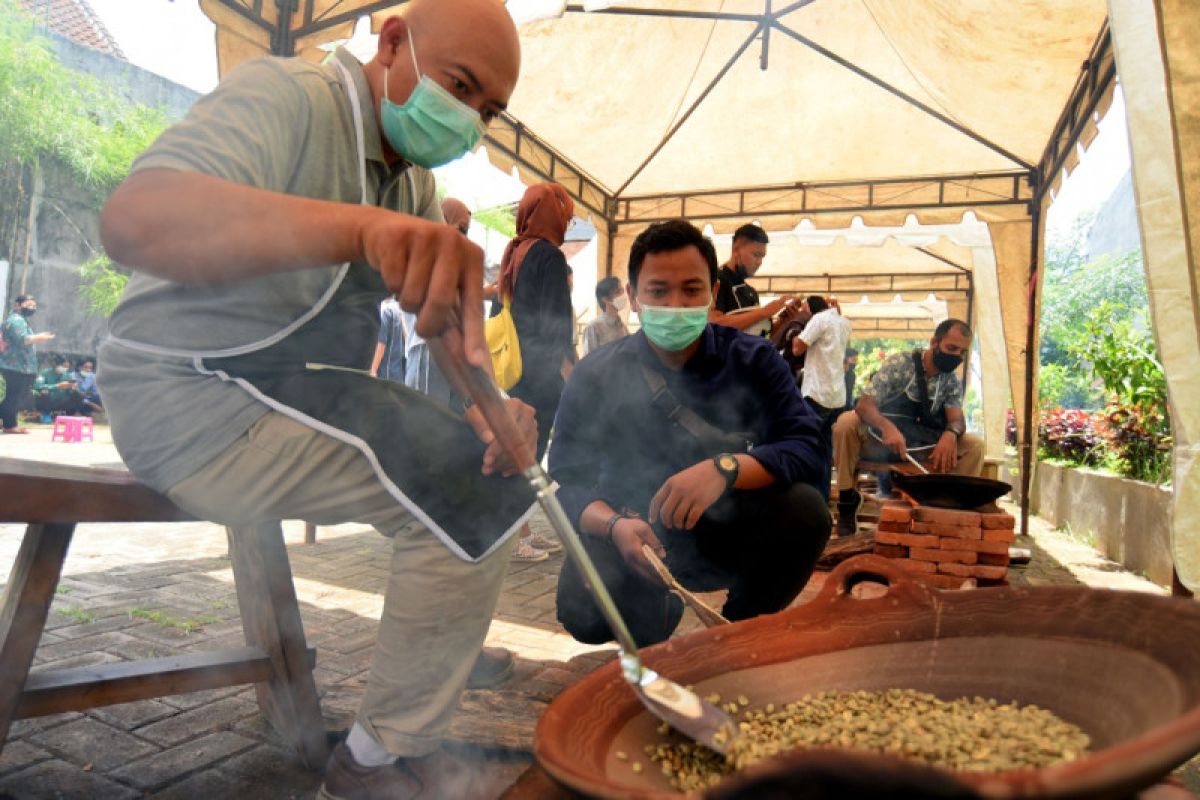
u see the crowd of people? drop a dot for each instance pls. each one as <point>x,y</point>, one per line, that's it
<point>61,388</point>
<point>263,232</point>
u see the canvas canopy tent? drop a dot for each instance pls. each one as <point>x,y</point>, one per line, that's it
<point>726,111</point>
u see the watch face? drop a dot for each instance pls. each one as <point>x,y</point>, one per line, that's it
<point>728,463</point>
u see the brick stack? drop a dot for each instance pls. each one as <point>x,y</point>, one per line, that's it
<point>947,548</point>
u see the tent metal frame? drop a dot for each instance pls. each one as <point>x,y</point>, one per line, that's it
<point>829,197</point>
<point>514,140</point>
<point>549,163</point>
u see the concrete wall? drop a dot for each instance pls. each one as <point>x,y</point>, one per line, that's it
<point>1129,521</point>
<point>66,227</point>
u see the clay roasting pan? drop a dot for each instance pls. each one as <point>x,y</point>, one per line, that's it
<point>1123,666</point>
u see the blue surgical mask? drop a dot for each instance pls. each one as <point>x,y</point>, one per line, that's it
<point>673,329</point>
<point>432,127</point>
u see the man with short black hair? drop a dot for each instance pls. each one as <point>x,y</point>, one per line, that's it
<point>607,326</point>
<point>913,404</point>
<point>733,293</point>
<point>689,438</point>
<point>822,343</point>
<point>850,372</point>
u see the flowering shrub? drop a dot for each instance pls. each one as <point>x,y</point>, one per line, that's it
<point>1073,435</point>
<point>1141,438</point>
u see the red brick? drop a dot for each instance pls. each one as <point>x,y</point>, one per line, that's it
<point>890,550</point>
<point>906,539</point>
<point>998,521</point>
<point>896,513</point>
<point>994,559</point>
<point>940,556</point>
<point>894,527</point>
<point>946,516</point>
<point>915,566</point>
<point>938,529</point>
<point>973,570</point>
<point>998,535</point>
<point>949,582</point>
<point>976,545</point>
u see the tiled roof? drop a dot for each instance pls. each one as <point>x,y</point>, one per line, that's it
<point>75,20</point>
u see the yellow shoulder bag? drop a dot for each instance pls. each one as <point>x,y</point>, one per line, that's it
<point>501,333</point>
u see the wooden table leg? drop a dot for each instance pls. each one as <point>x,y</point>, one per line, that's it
<point>27,600</point>
<point>271,620</point>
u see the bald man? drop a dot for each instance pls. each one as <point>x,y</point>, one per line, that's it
<point>263,232</point>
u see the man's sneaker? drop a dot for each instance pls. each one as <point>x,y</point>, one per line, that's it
<point>849,502</point>
<point>493,666</point>
<point>544,543</point>
<point>437,775</point>
<point>527,552</point>
<point>346,779</point>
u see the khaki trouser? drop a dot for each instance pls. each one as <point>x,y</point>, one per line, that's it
<point>850,434</point>
<point>437,607</point>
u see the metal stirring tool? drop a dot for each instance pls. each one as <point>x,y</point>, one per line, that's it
<point>682,709</point>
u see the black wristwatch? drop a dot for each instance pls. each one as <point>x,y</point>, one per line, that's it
<point>727,465</point>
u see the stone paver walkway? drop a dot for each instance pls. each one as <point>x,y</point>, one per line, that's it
<point>138,591</point>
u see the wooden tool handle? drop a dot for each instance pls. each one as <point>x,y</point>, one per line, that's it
<point>475,382</point>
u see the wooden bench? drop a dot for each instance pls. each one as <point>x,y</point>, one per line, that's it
<point>51,499</point>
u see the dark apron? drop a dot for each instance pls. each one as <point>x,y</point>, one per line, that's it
<point>427,457</point>
<point>921,427</point>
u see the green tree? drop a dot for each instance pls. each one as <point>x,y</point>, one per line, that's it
<point>1072,288</point>
<point>501,218</point>
<point>48,111</point>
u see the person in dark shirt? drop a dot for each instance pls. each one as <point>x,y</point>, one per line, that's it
<point>721,514</point>
<point>733,293</point>
<point>536,280</point>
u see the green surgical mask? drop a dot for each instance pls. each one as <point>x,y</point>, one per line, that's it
<point>673,329</point>
<point>432,127</point>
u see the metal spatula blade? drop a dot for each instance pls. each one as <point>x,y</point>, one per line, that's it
<point>681,708</point>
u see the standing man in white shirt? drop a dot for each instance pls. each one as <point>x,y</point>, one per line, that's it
<point>823,344</point>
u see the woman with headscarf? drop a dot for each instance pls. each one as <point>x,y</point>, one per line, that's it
<point>533,278</point>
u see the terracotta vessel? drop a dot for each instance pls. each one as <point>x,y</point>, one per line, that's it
<point>1123,666</point>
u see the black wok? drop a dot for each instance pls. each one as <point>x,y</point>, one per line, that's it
<point>950,491</point>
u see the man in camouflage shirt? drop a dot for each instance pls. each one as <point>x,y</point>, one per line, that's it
<point>894,416</point>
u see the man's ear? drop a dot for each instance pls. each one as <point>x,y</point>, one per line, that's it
<point>633,303</point>
<point>713,292</point>
<point>392,36</point>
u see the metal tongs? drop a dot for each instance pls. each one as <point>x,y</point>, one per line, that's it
<point>907,455</point>
<point>681,708</point>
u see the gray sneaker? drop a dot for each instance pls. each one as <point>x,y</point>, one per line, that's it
<point>493,666</point>
<point>346,779</point>
<point>431,777</point>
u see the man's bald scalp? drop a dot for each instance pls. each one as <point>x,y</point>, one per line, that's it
<point>485,17</point>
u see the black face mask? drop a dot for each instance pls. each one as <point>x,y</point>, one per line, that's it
<point>945,362</point>
<point>28,312</point>
<point>741,272</point>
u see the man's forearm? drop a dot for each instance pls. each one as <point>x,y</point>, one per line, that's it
<point>377,359</point>
<point>741,320</point>
<point>193,228</point>
<point>594,521</point>
<point>868,413</point>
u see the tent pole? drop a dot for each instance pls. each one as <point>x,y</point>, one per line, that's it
<point>1030,362</point>
<point>608,253</point>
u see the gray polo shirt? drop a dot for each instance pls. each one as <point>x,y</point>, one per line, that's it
<point>274,123</point>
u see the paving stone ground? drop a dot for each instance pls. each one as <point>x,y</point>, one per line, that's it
<point>139,591</point>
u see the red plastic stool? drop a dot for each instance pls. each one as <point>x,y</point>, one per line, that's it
<point>72,429</point>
